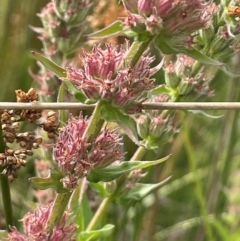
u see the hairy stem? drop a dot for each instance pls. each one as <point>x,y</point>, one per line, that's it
<point>62,199</point>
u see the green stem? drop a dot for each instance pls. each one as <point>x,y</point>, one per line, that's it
<point>135,52</point>
<point>138,155</point>
<point>5,189</point>
<point>198,185</point>
<point>102,209</point>
<point>58,209</point>
<point>6,197</point>
<point>62,200</point>
<point>95,125</point>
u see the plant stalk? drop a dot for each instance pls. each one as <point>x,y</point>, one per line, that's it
<point>5,189</point>
<point>62,199</point>
<point>138,155</point>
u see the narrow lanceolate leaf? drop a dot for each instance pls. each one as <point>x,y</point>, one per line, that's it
<point>141,190</point>
<point>60,72</point>
<point>114,29</point>
<point>195,54</point>
<point>75,92</point>
<point>112,114</point>
<point>53,181</point>
<point>164,44</point>
<point>201,112</point>
<point>113,172</point>
<point>96,234</point>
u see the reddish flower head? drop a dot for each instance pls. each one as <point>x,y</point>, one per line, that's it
<point>106,77</point>
<point>177,15</point>
<point>76,157</point>
<point>35,227</point>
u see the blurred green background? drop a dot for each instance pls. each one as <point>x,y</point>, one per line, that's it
<point>201,201</point>
<point>16,42</point>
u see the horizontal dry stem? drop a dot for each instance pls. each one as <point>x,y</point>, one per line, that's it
<point>146,105</point>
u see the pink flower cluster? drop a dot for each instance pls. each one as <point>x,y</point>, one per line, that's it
<point>172,16</point>
<point>35,228</point>
<point>106,76</point>
<point>76,157</point>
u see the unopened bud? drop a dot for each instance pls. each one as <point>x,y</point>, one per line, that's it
<point>142,126</point>
<point>171,79</point>
<point>185,87</point>
<point>207,34</point>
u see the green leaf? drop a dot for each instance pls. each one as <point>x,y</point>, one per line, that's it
<point>60,72</point>
<point>201,57</point>
<point>205,114</point>
<point>164,44</point>
<point>141,190</point>
<point>112,30</point>
<point>99,187</point>
<point>112,114</point>
<point>75,92</point>
<point>53,181</point>
<point>113,172</point>
<point>161,89</point>
<point>94,235</point>
<point>82,213</point>
<point>228,72</point>
<point>222,230</point>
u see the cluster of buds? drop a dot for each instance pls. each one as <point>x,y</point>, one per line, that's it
<point>222,40</point>
<point>76,156</point>
<point>12,160</point>
<point>182,85</point>
<point>178,19</point>
<point>63,32</point>
<point>106,77</point>
<point>36,229</point>
<point>155,126</point>
<point>63,26</point>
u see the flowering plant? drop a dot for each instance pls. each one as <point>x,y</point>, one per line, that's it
<point>86,155</point>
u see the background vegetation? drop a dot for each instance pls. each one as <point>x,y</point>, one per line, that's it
<point>202,199</point>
